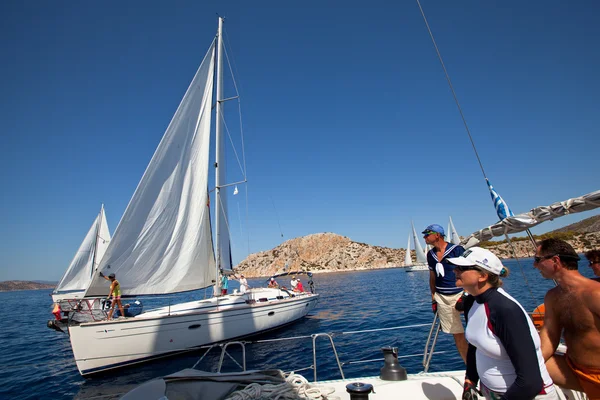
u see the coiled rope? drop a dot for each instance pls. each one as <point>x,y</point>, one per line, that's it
<point>295,387</point>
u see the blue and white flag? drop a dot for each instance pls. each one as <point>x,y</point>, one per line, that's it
<point>502,208</point>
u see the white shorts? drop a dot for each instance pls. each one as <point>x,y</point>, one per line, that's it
<point>449,317</point>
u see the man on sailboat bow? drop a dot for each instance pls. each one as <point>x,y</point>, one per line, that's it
<point>573,311</point>
<point>442,283</point>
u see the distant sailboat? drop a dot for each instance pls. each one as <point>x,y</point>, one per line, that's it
<point>407,257</point>
<point>80,272</point>
<point>421,264</point>
<point>452,234</point>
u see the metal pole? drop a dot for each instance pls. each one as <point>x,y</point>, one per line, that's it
<point>219,145</point>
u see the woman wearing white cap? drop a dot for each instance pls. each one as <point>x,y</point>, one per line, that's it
<point>504,346</point>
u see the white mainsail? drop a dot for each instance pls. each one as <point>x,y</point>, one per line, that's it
<point>520,222</point>
<point>452,234</point>
<point>163,243</point>
<point>79,273</point>
<point>407,258</point>
<point>421,258</point>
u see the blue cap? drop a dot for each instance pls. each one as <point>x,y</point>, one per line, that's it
<point>434,228</point>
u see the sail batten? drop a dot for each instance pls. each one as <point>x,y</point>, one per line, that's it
<point>163,243</point>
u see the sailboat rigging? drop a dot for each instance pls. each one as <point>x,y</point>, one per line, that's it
<point>164,245</point>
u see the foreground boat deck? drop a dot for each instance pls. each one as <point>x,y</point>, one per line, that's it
<point>440,386</point>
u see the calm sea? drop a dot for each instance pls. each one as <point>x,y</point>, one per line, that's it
<point>36,362</point>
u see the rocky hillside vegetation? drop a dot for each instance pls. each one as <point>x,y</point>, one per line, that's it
<point>328,252</point>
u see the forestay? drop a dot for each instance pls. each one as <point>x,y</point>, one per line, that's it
<point>163,243</point>
<point>79,274</point>
<point>521,222</point>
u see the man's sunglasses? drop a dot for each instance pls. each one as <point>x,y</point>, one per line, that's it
<point>428,233</point>
<point>463,268</point>
<point>537,259</point>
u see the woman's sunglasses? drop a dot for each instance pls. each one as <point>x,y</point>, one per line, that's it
<point>463,268</point>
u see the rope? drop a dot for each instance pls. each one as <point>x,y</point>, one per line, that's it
<point>295,387</point>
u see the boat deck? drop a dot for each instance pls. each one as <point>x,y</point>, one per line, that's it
<point>440,386</point>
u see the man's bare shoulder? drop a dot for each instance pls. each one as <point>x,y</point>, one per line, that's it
<point>553,294</point>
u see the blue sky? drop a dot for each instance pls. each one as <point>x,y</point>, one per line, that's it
<point>349,124</point>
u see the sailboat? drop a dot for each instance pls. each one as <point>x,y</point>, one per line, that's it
<point>407,257</point>
<point>452,234</point>
<point>164,245</point>
<point>421,264</point>
<point>79,274</point>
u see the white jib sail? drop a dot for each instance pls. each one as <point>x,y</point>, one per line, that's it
<point>80,271</point>
<point>421,258</point>
<point>452,234</point>
<point>407,258</point>
<point>163,243</point>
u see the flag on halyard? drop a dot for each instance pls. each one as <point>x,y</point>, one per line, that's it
<point>502,208</point>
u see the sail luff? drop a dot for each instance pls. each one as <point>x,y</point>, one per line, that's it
<point>93,264</point>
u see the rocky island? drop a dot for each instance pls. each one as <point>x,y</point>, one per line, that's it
<point>9,286</point>
<point>329,252</point>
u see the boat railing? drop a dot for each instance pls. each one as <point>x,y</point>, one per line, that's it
<point>330,338</point>
<point>431,342</point>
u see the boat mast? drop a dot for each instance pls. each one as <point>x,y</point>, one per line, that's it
<point>219,143</point>
<point>96,241</point>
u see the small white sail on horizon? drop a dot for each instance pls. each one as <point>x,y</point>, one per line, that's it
<point>407,257</point>
<point>452,233</point>
<point>79,274</point>
<point>421,257</point>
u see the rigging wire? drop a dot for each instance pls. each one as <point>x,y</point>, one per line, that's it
<point>462,116</point>
<point>276,215</point>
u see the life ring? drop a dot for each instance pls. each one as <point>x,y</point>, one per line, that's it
<point>538,316</point>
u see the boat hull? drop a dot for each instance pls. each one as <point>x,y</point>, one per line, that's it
<point>417,267</point>
<point>104,345</point>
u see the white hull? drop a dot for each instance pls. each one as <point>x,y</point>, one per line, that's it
<point>417,267</point>
<point>103,345</point>
<point>67,296</point>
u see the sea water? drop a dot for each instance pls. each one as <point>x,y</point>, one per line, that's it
<point>36,362</point>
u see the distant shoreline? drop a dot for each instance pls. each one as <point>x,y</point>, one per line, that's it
<point>15,286</point>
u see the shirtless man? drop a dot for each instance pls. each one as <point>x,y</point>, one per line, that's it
<point>573,310</point>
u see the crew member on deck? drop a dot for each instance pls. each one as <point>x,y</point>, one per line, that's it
<point>593,257</point>
<point>273,283</point>
<point>224,284</point>
<point>504,346</point>
<point>573,312</point>
<point>115,292</point>
<point>442,284</point>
